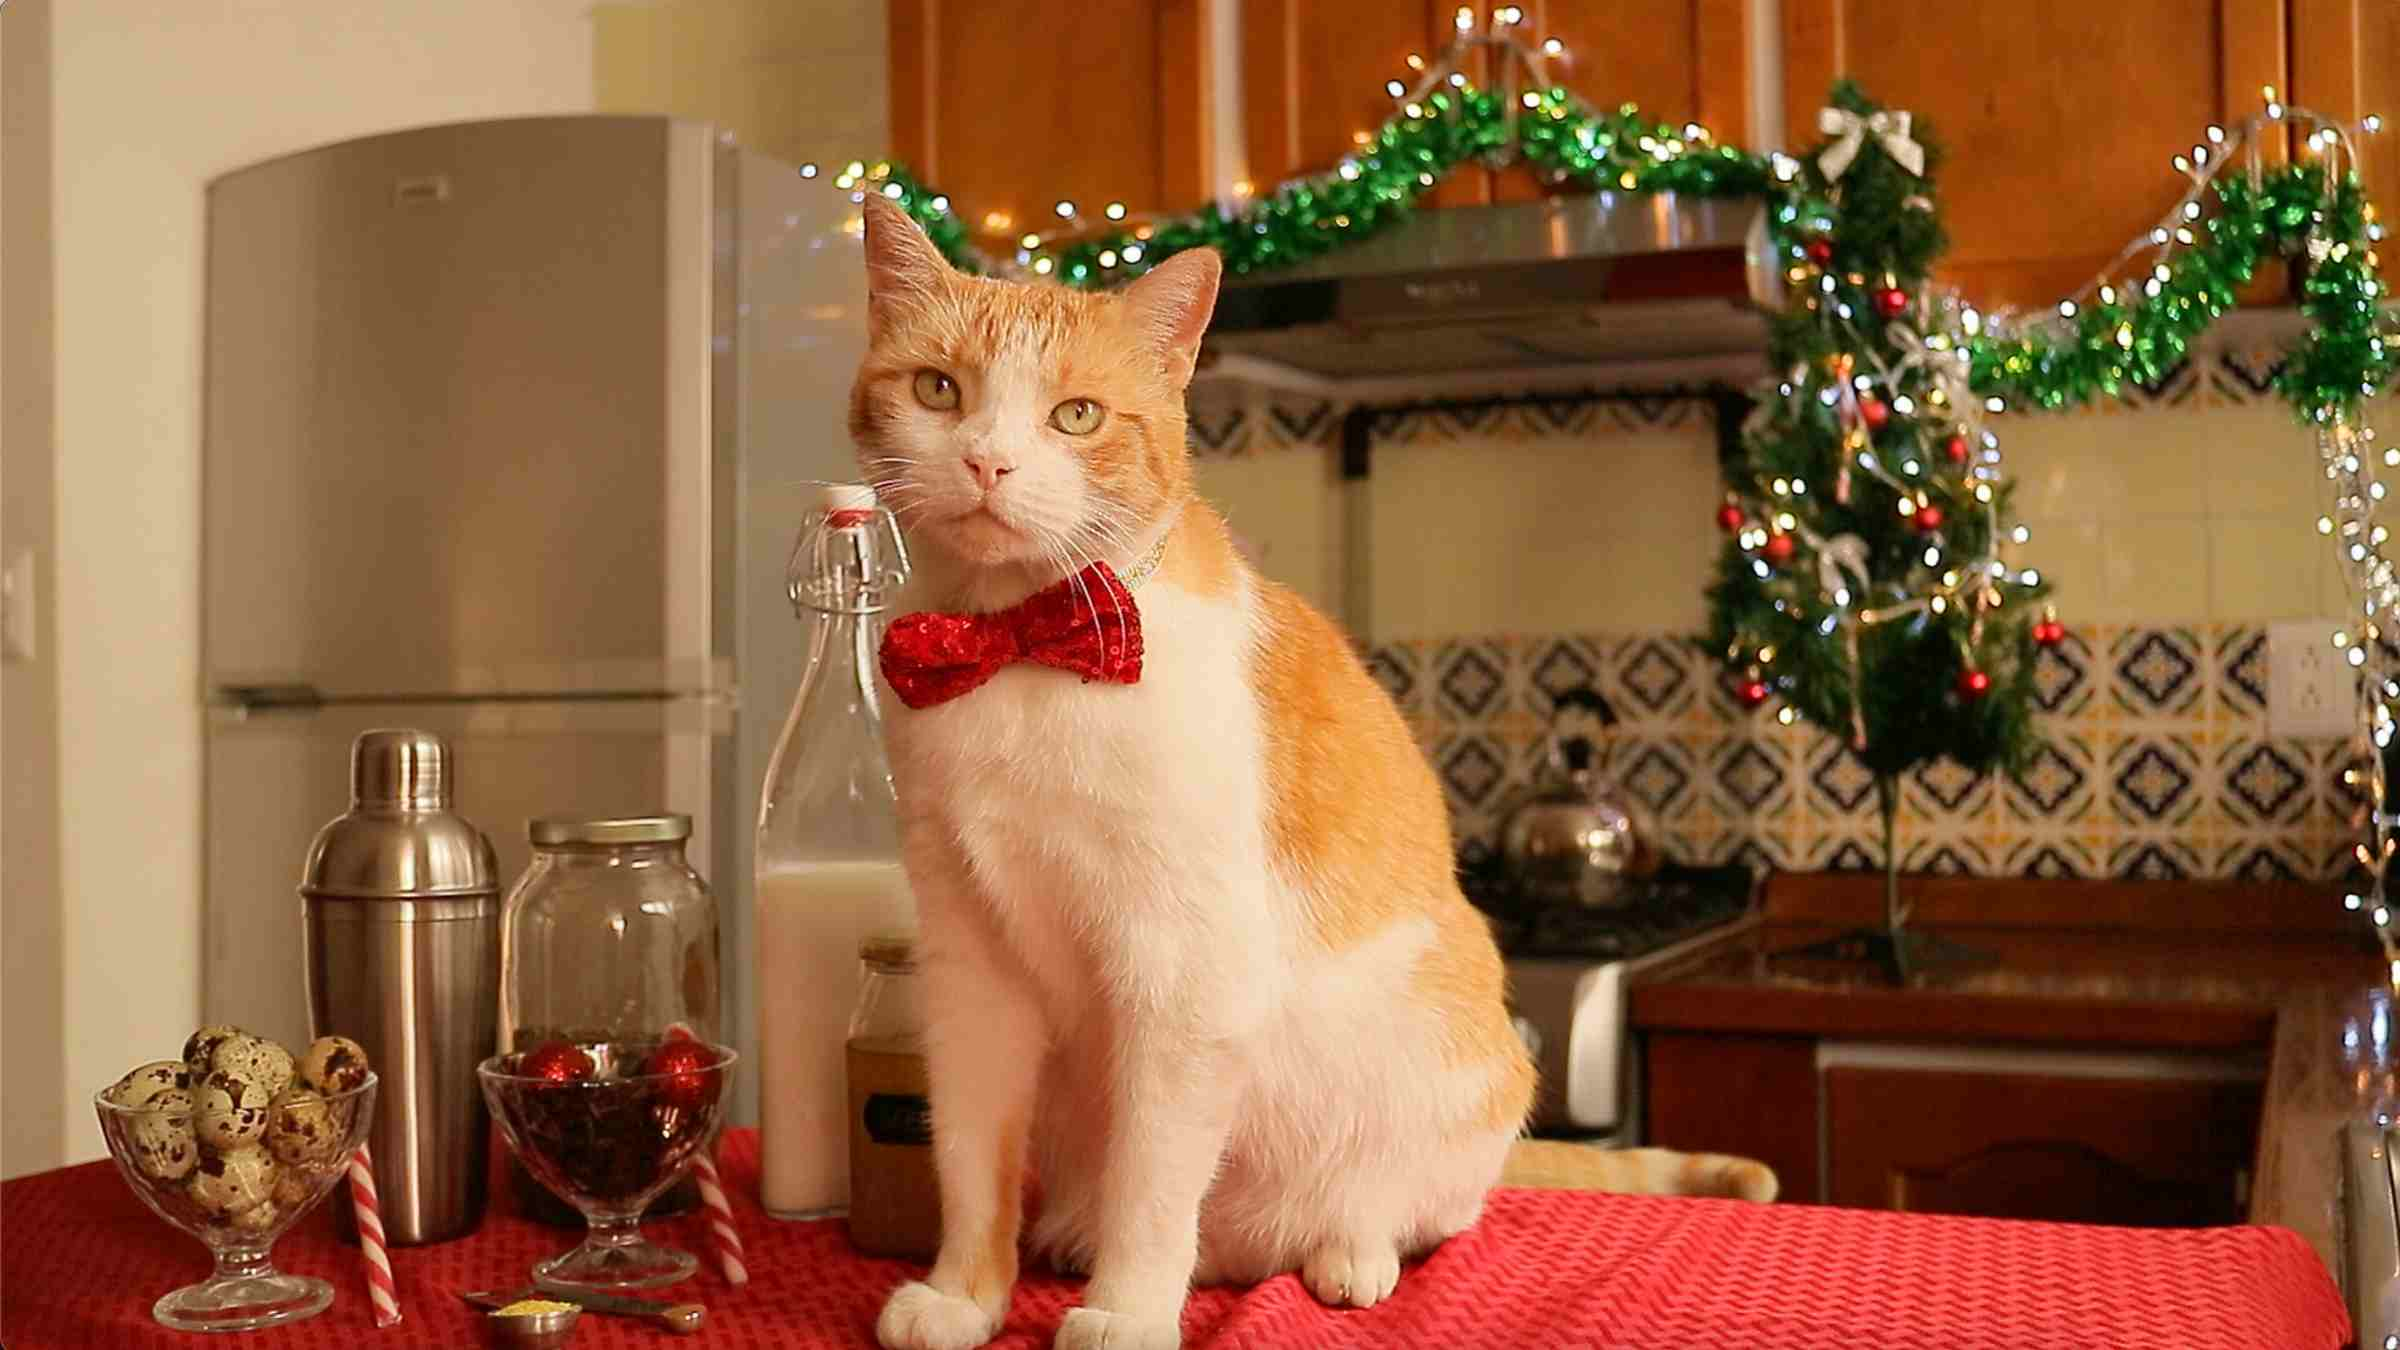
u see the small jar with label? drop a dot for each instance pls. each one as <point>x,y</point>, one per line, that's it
<point>895,1202</point>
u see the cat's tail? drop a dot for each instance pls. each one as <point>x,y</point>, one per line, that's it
<point>1557,1165</point>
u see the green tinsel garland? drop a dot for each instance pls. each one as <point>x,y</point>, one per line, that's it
<point>2136,338</point>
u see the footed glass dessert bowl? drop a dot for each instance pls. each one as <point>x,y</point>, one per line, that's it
<point>236,1174</point>
<point>608,1126</point>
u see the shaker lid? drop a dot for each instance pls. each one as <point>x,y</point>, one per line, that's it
<point>400,768</point>
<point>399,840</point>
<point>898,950</point>
<point>550,831</point>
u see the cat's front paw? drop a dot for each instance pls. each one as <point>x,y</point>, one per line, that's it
<point>1356,1275</point>
<point>921,1317</point>
<point>1092,1329</point>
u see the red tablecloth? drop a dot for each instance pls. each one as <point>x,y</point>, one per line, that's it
<point>81,1262</point>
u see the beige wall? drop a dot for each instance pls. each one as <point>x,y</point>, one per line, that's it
<point>2141,516</point>
<point>152,98</point>
<point>796,79</point>
<point>32,1008</point>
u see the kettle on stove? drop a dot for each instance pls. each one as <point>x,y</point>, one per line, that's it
<point>1575,838</point>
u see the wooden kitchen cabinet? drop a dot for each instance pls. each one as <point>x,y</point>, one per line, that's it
<point>1314,73</point>
<point>1009,108</point>
<point>2346,63</point>
<point>2105,1059</point>
<point>2059,116</point>
<point>2145,1152</point>
<point>2140,1151</point>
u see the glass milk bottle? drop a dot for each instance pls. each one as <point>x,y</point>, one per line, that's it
<point>828,860</point>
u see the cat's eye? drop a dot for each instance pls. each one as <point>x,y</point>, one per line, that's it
<point>936,390</point>
<point>1077,416</point>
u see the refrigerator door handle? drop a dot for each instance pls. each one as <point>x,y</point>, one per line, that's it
<point>258,698</point>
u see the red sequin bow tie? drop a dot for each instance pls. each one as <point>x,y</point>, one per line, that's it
<point>1086,625</point>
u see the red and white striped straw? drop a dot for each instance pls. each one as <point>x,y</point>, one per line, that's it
<point>724,1240</point>
<point>381,1289</point>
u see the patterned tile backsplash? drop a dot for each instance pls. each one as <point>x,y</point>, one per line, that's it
<point>2157,762</point>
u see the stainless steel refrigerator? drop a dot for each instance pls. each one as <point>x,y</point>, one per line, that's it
<point>506,427</point>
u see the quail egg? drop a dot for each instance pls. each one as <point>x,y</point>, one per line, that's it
<point>254,1059</point>
<point>333,1064</point>
<point>227,1184</point>
<point>301,1128</point>
<point>232,1111</point>
<point>161,1137</point>
<point>259,1217</point>
<point>293,1188</point>
<point>140,1086</point>
<point>201,1048</point>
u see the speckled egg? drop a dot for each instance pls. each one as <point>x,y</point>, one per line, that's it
<point>140,1086</point>
<point>161,1138</point>
<point>333,1064</point>
<point>301,1129</point>
<point>201,1048</point>
<point>226,1184</point>
<point>292,1189</point>
<point>259,1217</point>
<point>254,1059</point>
<point>233,1111</point>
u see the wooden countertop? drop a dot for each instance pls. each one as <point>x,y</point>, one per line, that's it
<point>2187,967</point>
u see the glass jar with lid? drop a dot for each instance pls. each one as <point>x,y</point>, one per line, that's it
<point>609,937</point>
<point>895,1199</point>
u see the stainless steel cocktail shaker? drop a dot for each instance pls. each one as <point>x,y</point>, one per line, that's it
<point>403,934</point>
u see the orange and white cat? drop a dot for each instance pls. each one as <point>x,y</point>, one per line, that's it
<point>1193,948</point>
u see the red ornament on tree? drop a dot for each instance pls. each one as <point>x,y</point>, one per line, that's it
<point>1729,517</point>
<point>1973,684</point>
<point>1956,448</point>
<point>1819,251</point>
<point>1929,518</point>
<point>1874,412</point>
<point>690,1070</point>
<point>2048,631</point>
<point>556,1061</point>
<point>1891,302</point>
<point>1753,691</point>
<point>1778,548</point>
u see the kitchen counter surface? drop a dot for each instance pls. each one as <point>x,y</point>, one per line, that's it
<point>2308,992</point>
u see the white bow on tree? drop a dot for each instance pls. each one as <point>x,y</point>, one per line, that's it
<point>1844,553</point>
<point>1890,130</point>
<point>1943,360</point>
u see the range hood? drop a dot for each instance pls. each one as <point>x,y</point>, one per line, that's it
<point>1569,281</point>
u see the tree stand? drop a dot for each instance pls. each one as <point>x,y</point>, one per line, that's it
<point>1899,953</point>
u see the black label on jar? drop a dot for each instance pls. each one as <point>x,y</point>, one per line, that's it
<point>895,1119</point>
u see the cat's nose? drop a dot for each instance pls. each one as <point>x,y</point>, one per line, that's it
<point>988,470</point>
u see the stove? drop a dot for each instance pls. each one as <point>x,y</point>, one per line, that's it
<point>1567,975</point>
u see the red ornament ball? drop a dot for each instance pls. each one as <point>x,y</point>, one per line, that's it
<point>1729,517</point>
<point>1752,692</point>
<point>1928,518</point>
<point>2049,632</point>
<point>690,1073</point>
<point>1957,449</point>
<point>1973,684</point>
<point>1891,302</point>
<point>1819,251</point>
<point>557,1061</point>
<point>1778,548</point>
<point>1874,412</point>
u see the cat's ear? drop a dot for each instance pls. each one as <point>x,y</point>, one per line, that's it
<point>903,266</point>
<point>1171,304</point>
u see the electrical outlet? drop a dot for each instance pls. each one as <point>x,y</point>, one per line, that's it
<point>2312,690</point>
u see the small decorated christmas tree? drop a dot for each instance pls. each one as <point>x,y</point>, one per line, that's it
<point>1866,584</point>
